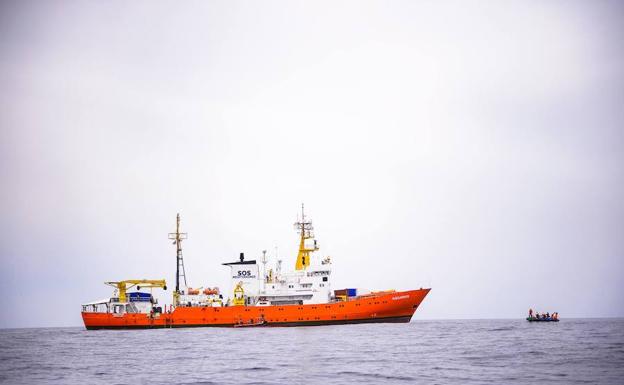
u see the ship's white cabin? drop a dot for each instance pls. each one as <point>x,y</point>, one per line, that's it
<point>311,285</point>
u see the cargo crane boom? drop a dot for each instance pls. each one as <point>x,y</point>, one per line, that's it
<point>123,286</point>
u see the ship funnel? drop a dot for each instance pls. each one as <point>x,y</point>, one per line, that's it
<point>242,257</point>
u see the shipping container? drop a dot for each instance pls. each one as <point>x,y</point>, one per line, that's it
<point>139,297</point>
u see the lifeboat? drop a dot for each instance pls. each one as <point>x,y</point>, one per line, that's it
<point>211,291</point>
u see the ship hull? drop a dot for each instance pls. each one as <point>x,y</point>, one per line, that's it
<point>391,307</point>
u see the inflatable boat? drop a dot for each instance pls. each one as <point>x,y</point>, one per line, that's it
<point>533,319</point>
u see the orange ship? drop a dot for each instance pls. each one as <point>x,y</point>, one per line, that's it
<point>261,297</point>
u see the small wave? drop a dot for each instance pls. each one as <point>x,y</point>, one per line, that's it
<point>255,368</point>
<point>199,383</point>
<point>377,375</point>
<point>502,329</point>
<point>446,369</point>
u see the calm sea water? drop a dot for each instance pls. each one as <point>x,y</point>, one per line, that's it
<point>431,352</point>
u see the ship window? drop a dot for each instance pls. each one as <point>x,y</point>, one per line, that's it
<point>324,279</point>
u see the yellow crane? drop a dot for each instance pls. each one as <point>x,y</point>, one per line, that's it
<point>123,286</point>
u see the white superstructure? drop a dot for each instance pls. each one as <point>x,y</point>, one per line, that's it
<point>309,283</point>
<point>308,286</point>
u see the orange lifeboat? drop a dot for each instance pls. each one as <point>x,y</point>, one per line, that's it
<point>211,290</point>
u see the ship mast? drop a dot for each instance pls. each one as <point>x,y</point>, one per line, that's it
<point>306,232</point>
<point>177,240</point>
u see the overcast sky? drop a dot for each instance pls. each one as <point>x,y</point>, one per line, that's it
<point>472,147</point>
